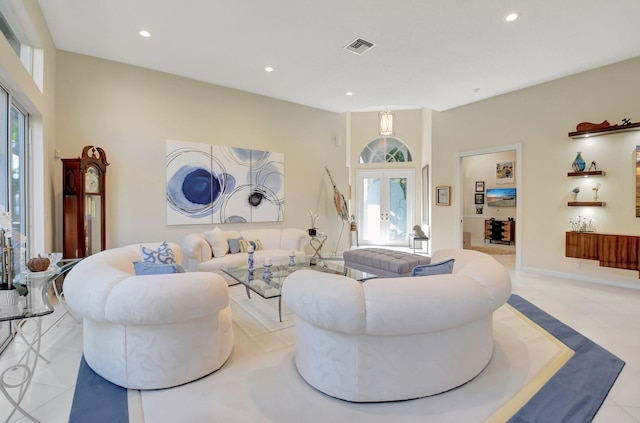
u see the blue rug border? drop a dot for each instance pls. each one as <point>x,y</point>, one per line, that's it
<point>573,394</point>
<point>576,392</point>
<point>96,400</point>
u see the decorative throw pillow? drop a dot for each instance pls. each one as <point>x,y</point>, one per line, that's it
<point>234,245</point>
<point>144,268</point>
<point>441,268</point>
<point>218,241</point>
<point>163,254</point>
<point>244,245</point>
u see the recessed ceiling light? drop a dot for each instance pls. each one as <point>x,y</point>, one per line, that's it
<point>144,33</point>
<point>349,93</point>
<point>475,90</point>
<point>511,17</point>
<point>268,69</point>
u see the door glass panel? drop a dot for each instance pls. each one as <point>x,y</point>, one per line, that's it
<point>371,222</point>
<point>397,209</point>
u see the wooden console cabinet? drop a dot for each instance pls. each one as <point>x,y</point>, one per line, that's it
<point>500,231</point>
<point>611,250</point>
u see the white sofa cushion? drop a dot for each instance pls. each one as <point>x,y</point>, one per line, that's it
<point>218,241</point>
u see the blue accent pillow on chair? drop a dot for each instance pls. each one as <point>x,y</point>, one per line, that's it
<point>163,254</point>
<point>234,245</point>
<point>144,268</point>
<point>441,268</point>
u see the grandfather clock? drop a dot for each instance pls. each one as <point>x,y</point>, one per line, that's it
<point>83,206</point>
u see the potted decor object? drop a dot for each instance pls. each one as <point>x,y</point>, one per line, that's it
<point>313,231</point>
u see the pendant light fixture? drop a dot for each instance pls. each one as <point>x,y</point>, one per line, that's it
<point>385,119</point>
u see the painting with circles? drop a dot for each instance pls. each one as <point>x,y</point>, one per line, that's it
<point>209,184</point>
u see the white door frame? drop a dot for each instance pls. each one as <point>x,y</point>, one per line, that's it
<point>520,193</point>
<point>408,173</point>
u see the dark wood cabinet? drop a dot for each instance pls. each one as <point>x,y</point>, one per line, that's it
<point>502,231</point>
<point>83,203</point>
<point>611,250</point>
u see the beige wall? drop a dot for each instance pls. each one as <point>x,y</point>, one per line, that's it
<point>130,112</point>
<point>539,119</point>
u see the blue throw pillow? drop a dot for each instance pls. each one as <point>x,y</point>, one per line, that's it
<point>163,254</point>
<point>441,268</point>
<point>234,245</point>
<point>144,268</point>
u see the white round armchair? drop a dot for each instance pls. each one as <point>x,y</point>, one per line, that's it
<point>151,331</point>
<point>400,338</point>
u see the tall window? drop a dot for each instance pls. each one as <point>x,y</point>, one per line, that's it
<point>13,179</point>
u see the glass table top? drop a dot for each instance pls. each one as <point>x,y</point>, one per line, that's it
<point>271,287</point>
<point>36,301</point>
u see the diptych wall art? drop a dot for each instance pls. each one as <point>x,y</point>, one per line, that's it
<point>209,184</point>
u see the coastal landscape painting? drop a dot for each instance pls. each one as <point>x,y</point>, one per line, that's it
<point>501,197</point>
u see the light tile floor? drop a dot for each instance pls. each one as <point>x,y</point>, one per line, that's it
<point>609,316</point>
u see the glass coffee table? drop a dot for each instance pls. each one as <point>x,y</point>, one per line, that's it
<point>271,287</point>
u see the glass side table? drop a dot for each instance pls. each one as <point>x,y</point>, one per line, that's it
<point>28,312</point>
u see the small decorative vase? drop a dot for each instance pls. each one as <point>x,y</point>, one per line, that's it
<point>250,260</point>
<point>292,259</point>
<point>267,272</point>
<point>578,164</point>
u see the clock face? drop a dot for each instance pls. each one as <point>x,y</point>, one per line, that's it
<point>92,181</point>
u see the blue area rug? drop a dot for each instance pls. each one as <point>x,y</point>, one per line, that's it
<point>97,400</point>
<point>574,394</point>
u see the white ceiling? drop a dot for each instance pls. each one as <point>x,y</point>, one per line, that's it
<point>428,53</point>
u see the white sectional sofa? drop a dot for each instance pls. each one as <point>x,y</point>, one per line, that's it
<point>399,338</point>
<point>209,251</point>
<point>149,331</point>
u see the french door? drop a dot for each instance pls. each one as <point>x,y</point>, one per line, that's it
<point>385,206</point>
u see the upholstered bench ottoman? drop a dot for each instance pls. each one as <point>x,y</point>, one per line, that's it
<point>383,262</point>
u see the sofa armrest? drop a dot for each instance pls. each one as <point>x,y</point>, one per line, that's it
<point>294,239</point>
<point>196,248</point>
<point>163,299</point>
<point>332,302</point>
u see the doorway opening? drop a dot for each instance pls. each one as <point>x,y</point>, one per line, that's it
<point>486,220</point>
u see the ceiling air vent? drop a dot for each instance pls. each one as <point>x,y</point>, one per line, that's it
<point>359,46</point>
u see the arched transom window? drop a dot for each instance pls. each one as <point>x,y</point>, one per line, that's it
<point>385,150</point>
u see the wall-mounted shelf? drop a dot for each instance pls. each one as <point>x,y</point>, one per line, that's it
<point>605,131</point>
<point>587,203</point>
<point>588,173</point>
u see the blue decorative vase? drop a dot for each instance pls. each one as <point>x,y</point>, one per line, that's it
<point>267,272</point>
<point>250,260</point>
<point>292,260</point>
<point>578,164</point>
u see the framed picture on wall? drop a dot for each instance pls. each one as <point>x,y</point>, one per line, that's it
<point>479,209</point>
<point>479,198</point>
<point>443,195</point>
<point>504,173</point>
<point>479,186</point>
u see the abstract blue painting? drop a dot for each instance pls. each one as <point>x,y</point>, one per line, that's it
<point>209,184</point>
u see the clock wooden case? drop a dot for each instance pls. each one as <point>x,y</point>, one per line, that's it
<point>84,200</point>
